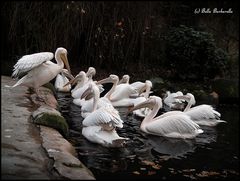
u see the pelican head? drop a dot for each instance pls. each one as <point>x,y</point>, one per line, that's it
<point>67,74</point>
<point>191,98</point>
<point>111,79</point>
<point>188,97</point>
<point>149,103</point>
<point>125,79</point>
<point>147,87</point>
<point>62,53</point>
<point>179,93</point>
<point>91,72</point>
<point>88,93</point>
<point>78,77</point>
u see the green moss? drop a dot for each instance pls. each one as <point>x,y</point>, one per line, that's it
<point>53,121</point>
<point>51,87</point>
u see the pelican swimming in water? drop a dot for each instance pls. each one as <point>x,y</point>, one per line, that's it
<point>124,80</point>
<point>143,97</point>
<point>172,102</point>
<point>39,69</point>
<point>101,123</point>
<point>61,80</point>
<point>173,126</point>
<point>203,114</point>
<point>140,87</point>
<point>89,75</point>
<point>118,94</point>
<point>80,79</point>
<point>93,95</point>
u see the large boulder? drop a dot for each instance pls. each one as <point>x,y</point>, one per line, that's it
<point>64,156</point>
<point>50,117</point>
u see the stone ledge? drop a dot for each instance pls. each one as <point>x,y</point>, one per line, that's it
<point>63,154</point>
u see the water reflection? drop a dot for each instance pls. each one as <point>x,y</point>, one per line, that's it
<point>141,146</point>
<point>176,148</point>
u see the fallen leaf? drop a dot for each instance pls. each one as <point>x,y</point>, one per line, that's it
<point>207,174</point>
<point>146,162</point>
<point>189,170</point>
<point>151,172</point>
<point>156,166</point>
<point>136,173</point>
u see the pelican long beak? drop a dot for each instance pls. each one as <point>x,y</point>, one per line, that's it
<point>69,82</point>
<point>72,81</point>
<point>148,103</point>
<point>142,90</point>
<point>87,94</point>
<point>65,61</point>
<point>67,74</point>
<point>103,81</point>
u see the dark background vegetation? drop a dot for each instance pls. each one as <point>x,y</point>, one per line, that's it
<point>143,39</point>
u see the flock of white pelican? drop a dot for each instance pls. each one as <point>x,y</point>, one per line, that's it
<point>101,118</point>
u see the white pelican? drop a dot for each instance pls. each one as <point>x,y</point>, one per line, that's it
<point>90,73</point>
<point>140,87</point>
<point>100,125</point>
<point>124,80</point>
<point>61,80</point>
<point>118,94</point>
<point>39,69</point>
<point>93,95</point>
<point>172,102</point>
<point>203,114</point>
<point>143,97</point>
<point>80,79</point>
<point>173,126</point>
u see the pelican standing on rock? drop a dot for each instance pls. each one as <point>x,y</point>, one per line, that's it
<point>39,69</point>
<point>173,126</point>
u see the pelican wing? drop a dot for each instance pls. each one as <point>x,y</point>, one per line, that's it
<point>28,62</point>
<point>203,112</point>
<point>96,134</point>
<point>138,85</point>
<point>174,126</point>
<point>104,116</point>
<point>122,91</point>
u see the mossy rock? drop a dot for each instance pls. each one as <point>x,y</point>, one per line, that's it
<point>51,87</point>
<point>54,121</point>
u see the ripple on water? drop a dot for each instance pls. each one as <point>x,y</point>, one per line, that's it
<point>166,158</point>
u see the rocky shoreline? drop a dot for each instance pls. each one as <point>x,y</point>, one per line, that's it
<point>32,148</point>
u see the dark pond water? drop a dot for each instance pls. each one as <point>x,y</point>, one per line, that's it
<point>213,154</point>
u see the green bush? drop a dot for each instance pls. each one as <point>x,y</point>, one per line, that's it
<point>194,55</point>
